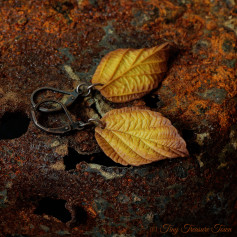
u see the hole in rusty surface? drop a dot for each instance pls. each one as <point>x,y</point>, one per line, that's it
<point>189,136</point>
<point>80,216</point>
<point>73,158</point>
<point>102,159</point>
<point>53,207</point>
<point>13,125</point>
<point>153,101</point>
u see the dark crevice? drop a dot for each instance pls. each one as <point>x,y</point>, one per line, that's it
<point>189,136</point>
<point>153,101</point>
<point>174,53</point>
<point>73,158</point>
<point>13,125</point>
<point>53,207</point>
<point>80,216</point>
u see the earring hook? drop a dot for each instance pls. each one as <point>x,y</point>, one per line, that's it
<point>58,130</point>
<point>73,96</point>
<point>71,125</point>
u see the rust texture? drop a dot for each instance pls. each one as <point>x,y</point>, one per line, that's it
<point>53,185</point>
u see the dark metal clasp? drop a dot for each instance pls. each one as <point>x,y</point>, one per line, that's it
<point>82,90</point>
<point>71,125</point>
<point>73,96</point>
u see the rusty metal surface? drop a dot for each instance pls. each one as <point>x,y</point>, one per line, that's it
<point>54,185</point>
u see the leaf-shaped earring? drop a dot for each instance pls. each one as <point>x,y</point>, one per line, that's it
<point>130,136</point>
<point>122,75</point>
<point>134,136</point>
<point>128,74</point>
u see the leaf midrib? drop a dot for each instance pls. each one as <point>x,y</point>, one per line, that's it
<point>143,143</point>
<point>152,140</point>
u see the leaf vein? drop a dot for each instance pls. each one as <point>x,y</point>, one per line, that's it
<point>129,69</point>
<point>141,157</point>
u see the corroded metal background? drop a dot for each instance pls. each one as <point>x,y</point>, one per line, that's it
<point>64,185</point>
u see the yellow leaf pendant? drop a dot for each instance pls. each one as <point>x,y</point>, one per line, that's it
<point>128,74</point>
<point>134,136</point>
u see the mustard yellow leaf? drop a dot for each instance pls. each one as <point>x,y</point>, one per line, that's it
<point>128,74</point>
<point>135,136</point>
